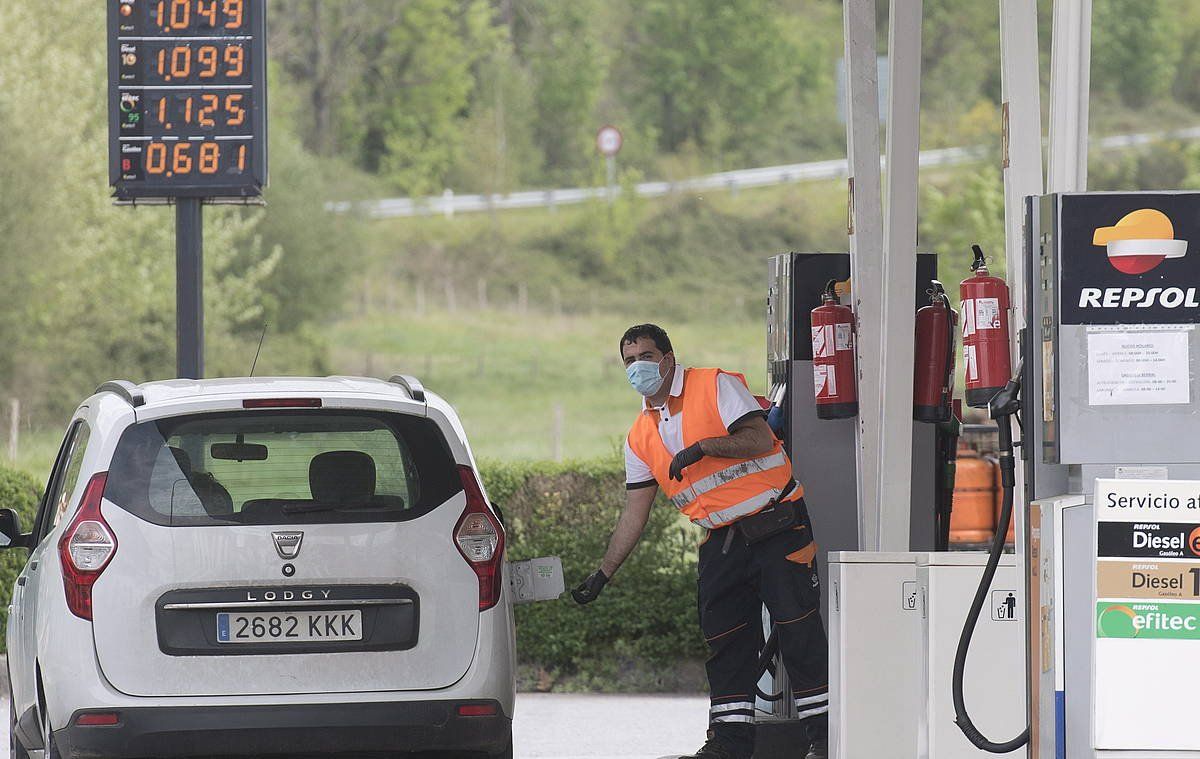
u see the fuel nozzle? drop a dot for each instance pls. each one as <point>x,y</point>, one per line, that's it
<point>1008,401</point>
<point>980,262</point>
<point>829,294</point>
<point>936,292</point>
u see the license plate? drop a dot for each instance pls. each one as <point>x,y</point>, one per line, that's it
<point>289,627</point>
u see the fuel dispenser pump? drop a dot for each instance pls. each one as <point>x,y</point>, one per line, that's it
<point>1002,407</point>
<point>834,380</point>
<point>990,384</point>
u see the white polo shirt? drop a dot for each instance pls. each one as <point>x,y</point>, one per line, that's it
<point>734,402</point>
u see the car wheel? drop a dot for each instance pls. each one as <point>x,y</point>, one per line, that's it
<point>505,754</point>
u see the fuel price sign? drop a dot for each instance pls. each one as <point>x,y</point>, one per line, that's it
<point>187,98</point>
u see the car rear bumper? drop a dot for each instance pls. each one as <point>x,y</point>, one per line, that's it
<point>291,729</point>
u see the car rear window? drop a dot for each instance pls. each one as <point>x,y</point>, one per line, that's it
<point>281,467</point>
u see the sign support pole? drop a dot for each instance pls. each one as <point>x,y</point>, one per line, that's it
<point>189,289</point>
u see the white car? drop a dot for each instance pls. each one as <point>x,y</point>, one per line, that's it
<point>263,565</point>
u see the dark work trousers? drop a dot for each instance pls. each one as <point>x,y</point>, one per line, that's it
<point>736,579</point>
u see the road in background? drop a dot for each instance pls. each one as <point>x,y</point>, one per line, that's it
<point>448,203</point>
<point>568,726</point>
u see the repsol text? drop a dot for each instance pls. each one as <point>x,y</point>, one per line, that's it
<point>1138,297</point>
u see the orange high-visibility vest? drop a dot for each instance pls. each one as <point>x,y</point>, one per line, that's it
<point>715,491</point>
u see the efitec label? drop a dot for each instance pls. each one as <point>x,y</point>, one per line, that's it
<point>1148,621</point>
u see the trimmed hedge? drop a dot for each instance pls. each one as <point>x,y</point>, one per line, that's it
<point>21,493</point>
<point>646,616</point>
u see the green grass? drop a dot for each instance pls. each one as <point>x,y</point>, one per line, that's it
<point>36,450</point>
<point>505,373</point>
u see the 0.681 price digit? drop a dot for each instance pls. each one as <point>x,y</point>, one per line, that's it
<point>178,158</point>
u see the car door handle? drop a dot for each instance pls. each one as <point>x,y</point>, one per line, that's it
<point>21,580</point>
<point>33,565</point>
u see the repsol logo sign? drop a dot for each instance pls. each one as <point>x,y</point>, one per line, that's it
<point>1140,539</point>
<point>1137,297</point>
<point>1127,258</point>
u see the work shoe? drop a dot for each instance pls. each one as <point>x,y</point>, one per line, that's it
<point>819,749</point>
<point>715,748</point>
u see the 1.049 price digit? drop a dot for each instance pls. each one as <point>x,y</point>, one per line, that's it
<point>179,15</point>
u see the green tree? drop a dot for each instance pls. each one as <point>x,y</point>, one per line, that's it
<point>707,71</point>
<point>406,111</point>
<point>318,44</point>
<point>569,64</point>
<point>1132,49</point>
<point>965,210</point>
<point>88,289</point>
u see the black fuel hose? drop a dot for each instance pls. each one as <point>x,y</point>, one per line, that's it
<point>766,664</point>
<point>1008,482</point>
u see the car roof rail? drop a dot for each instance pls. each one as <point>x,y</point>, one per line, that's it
<point>126,389</point>
<point>410,383</point>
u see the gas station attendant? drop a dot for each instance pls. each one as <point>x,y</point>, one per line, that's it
<point>702,437</point>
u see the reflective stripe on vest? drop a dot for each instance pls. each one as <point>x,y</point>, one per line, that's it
<point>739,510</point>
<point>728,474</point>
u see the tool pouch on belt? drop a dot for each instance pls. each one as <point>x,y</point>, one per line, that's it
<point>769,522</point>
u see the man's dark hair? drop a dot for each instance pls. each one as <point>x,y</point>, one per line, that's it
<point>652,331</point>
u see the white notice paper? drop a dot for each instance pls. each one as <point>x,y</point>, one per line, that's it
<point>1138,368</point>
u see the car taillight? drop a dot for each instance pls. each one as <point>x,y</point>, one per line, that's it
<point>480,539</point>
<point>86,548</point>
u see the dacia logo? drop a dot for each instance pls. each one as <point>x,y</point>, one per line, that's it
<point>287,544</point>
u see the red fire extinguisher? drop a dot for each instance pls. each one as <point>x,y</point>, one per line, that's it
<point>835,381</point>
<point>985,333</point>
<point>933,370</point>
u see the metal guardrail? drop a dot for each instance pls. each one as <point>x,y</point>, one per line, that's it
<point>449,203</point>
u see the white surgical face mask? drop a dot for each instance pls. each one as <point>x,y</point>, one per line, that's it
<point>645,377</point>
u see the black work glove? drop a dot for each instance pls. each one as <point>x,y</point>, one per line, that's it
<point>589,590</point>
<point>684,459</point>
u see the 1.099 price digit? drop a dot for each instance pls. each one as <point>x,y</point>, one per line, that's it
<point>177,62</point>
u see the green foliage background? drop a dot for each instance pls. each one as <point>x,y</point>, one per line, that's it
<point>374,98</point>
<point>21,493</point>
<point>569,510</point>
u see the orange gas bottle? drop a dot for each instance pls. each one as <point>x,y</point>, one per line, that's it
<point>973,517</point>
<point>1010,538</point>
